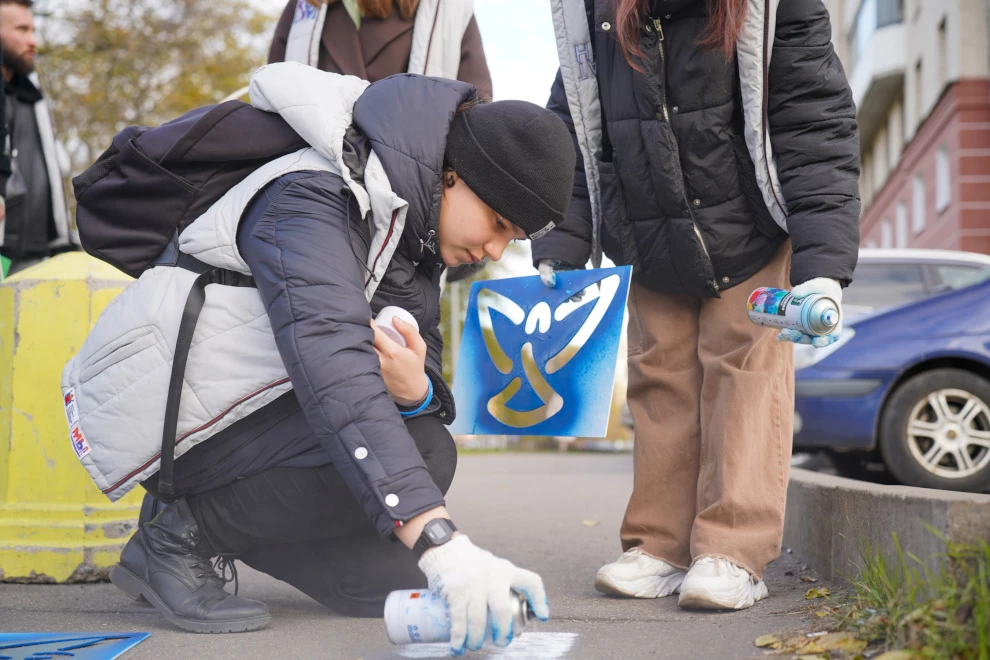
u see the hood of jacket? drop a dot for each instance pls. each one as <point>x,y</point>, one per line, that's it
<point>406,119</point>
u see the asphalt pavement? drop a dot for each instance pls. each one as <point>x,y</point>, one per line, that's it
<point>556,514</point>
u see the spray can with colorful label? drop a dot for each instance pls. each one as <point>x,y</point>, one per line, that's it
<point>420,616</point>
<point>814,315</point>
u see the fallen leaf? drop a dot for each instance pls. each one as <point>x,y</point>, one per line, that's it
<point>902,654</point>
<point>812,657</point>
<point>836,642</point>
<point>820,592</point>
<point>764,641</point>
<point>821,614</point>
<point>805,578</point>
<point>590,523</point>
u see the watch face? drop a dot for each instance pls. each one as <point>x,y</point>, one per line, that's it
<point>437,531</point>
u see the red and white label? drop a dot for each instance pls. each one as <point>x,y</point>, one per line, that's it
<point>79,444</point>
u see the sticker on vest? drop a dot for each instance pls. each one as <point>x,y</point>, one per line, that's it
<point>71,410</point>
<point>79,444</point>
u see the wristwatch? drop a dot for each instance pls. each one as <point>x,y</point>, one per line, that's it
<point>437,532</point>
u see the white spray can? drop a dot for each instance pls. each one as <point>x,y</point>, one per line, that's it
<point>384,322</point>
<point>420,616</point>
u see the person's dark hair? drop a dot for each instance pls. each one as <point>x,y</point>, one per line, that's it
<point>725,20</point>
<point>374,8</point>
<point>24,3</point>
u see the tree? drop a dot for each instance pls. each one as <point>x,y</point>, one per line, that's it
<point>108,64</point>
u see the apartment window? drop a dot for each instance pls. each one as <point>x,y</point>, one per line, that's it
<point>901,215</point>
<point>886,235</point>
<point>872,15</point>
<point>919,93</point>
<point>918,204</point>
<point>901,235</point>
<point>943,188</point>
<point>943,57</point>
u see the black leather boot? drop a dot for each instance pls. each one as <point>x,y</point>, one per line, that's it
<point>166,563</point>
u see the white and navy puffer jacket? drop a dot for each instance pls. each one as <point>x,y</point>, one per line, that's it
<point>306,326</point>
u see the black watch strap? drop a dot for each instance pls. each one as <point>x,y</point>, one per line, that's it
<point>436,532</point>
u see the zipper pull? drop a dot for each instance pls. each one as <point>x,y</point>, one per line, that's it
<point>659,26</point>
<point>427,243</point>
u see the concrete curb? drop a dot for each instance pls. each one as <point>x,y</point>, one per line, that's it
<point>829,518</point>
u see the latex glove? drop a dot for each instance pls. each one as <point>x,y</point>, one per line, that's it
<point>473,582</point>
<point>826,286</point>
<point>549,268</point>
<point>548,274</point>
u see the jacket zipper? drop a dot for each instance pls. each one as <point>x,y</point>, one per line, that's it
<point>666,115</point>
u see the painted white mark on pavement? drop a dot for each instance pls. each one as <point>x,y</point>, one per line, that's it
<point>545,646</point>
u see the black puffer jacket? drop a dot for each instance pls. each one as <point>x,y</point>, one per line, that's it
<point>680,200</point>
<point>306,246</point>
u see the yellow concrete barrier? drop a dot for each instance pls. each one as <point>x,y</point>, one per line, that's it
<point>55,525</point>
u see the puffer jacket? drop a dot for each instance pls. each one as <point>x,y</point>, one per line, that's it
<point>678,190</point>
<point>349,226</point>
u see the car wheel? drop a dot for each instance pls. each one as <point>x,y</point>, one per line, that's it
<point>857,465</point>
<point>935,431</point>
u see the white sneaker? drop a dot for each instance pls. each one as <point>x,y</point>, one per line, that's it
<point>638,575</point>
<point>718,584</point>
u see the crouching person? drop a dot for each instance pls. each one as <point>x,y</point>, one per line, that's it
<point>309,444</point>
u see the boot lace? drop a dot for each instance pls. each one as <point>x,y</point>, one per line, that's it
<point>219,570</point>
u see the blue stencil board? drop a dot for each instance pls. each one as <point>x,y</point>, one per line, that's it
<point>535,362</point>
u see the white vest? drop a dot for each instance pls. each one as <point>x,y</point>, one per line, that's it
<point>577,67</point>
<point>115,388</point>
<point>437,34</point>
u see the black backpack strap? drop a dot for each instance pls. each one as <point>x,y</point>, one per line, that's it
<point>190,315</point>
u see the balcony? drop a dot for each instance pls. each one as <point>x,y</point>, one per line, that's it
<point>877,62</point>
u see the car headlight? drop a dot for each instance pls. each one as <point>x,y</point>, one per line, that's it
<point>807,356</point>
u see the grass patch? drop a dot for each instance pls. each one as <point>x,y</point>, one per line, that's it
<point>900,603</point>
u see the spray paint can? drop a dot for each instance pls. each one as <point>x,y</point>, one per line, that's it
<point>814,315</point>
<point>417,616</point>
<point>384,322</point>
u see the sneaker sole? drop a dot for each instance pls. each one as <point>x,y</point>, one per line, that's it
<point>702,599</point>
<point>136,588</point>
<point>655,586</point>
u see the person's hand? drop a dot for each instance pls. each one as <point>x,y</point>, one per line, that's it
<point>548,275</point>
<point>403,367</point>
<point>474,582</point>
<point>826,286</point>
<point>549,268</point>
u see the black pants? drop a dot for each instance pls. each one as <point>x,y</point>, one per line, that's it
<point>303,526</point>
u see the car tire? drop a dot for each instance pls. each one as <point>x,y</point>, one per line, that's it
<point>935,431</point>
<point>855,465</point>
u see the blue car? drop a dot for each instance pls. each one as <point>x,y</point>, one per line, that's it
<point>910,384</point>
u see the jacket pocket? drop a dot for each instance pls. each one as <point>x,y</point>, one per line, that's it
<point>128,357</point>
<point>615,220</point>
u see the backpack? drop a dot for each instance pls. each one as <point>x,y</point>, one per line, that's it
<point>153,182</point>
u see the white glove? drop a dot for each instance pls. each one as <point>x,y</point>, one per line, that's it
<point>828,287</point>
<point>548,274</point>
<point>473,581</point>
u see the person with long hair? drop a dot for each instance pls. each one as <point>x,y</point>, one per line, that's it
<point>375,39</point>
<point>718,152</point>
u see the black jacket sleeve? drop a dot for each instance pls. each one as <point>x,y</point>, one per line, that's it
<point>815,138</point>
<point>571,241</point>
<point>299,250</point>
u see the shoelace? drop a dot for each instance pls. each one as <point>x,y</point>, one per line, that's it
<point>218,570</point>
<point>223,564</point>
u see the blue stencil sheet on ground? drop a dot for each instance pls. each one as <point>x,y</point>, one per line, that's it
<point>535,362</point>
<point>56,646</point>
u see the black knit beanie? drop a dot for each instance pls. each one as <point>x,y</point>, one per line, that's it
<point>518,158</point>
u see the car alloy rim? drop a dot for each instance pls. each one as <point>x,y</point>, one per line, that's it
<point>949,433</point>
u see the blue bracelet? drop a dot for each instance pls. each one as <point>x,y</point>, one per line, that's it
<point>426,401</point>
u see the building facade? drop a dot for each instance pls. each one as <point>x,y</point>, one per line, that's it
<point>920,76</point>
